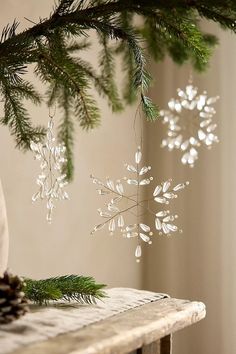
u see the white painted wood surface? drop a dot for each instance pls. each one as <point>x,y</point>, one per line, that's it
<point>4,237</point>
<point>126,332</point>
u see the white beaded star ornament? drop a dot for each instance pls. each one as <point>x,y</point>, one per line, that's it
<point>121,203</point>
<point>51,181</point>
<point>190,123</point>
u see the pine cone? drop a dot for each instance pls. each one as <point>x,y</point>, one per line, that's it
<point>13,303</point>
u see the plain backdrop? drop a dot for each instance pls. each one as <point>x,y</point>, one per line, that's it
<point>200,263</point>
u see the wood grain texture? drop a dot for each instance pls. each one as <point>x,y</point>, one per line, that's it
<point>125,332</point>
<point>152,348</point>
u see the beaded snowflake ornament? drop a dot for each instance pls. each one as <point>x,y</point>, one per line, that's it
<point>123,202</point>
<point>51,180</point>
<point>190,123</point>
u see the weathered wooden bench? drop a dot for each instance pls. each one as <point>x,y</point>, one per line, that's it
<point>146,329</point>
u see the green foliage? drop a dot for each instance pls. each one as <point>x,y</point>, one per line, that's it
<point>107,65</point>
<point>64,288</point>
<point>136,27</point>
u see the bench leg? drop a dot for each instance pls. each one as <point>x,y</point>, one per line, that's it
<point>153,348</point>
<point>163,346</point>
<point>166,345</point>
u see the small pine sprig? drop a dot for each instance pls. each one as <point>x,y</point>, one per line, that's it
<point>67,288</point>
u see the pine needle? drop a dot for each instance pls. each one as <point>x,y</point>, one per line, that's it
<point>67,288</point>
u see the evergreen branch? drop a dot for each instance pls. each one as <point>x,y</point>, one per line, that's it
<point>63,7</point>
<point>68,288</point>
<point>26,91</point>
<point>107,64</point>
<point>129,92</point>
<point>82,16</point>
<point>169,27</point>
<point>227,20</point>
<point>74,46</point>
<point>9,31</point>
<point>65,135</point>
<point>16,116</point>
<point>149,108</point>
<point>49,68</point>
<point>141,79</point>
<point>102,84</point>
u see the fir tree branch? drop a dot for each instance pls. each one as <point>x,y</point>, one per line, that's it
<point>101,83</point>
<point>67,77</point>
<point>64,288</point>
<point>107,64</point>
<point>16,116</point>
<point>65,134</point>
<point>168,27</point>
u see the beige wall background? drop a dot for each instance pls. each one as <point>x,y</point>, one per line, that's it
<point>199,264</point>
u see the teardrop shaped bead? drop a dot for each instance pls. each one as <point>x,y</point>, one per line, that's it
<point>131,168</point>
<point>178,187</point>
<point>110,184</point>
<point>120,222</point>
<point>165,228</point>
<point>104,214</point>
<point>209,109</point>
<point>157,190</point>
<point>193,152</point>
<point>65,195</point>
<point>113,208</point>
<point>116,199</point>
<point>201,102</point>
<point>201,134</point>
<point>144,227</point>
<point>158,224</point>
<point>144,170</point>
<point>138,252</point>
<point>138,156</point>
<point>49,216</point>
<point>132,181</point>
<point>205,115</point>
<point>169,195</point>
<point>35,196</point>
<point>120,188</point>
<point>160,200</point>
<point>162,213</point>
<point>212,100</point>
<point>131,227</point>
<point>181,93</point>
<point>112,225</point>
<point>185,145</point>
<point>131,234</point>
<point>193,141</point>
<point>211,128</point>
<point>166,186</point>
<point>172,227</point>
<point>144,182</point>
<point>184,158</point>
<point>171,104</point>
<point>206,122</point>
<point>144,237</point>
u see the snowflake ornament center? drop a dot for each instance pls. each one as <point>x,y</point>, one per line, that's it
<point>190,123</point>
<point>122,203</point>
